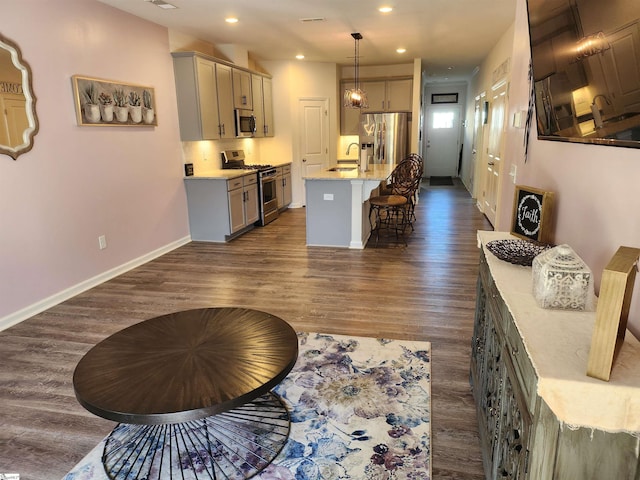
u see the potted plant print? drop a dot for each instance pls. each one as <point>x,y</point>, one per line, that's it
<point>135,109</point>
<point>106,107</point>
<point>90,103</point>
<point>147,107</point>
<point>120,100</point>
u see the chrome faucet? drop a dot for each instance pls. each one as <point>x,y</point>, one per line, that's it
<point>601,96</point>
<point>595,111</point>
<point>351,145</point>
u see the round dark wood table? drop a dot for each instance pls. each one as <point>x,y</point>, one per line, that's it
<point>192,391</point>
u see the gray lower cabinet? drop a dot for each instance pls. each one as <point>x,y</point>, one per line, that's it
<point>283,186</point>
<point>221,209</point>
<point>243,202</point>
<point>521,437</point>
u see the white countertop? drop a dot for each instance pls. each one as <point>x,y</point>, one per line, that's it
<point>225,174</point>
<point>375,172</point>
<point>228,174</point>
<point>558,343</point>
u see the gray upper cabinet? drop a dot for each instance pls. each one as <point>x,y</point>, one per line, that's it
<point>209,91</point>
<point>242,89</point>
<point>393,95</point>
<point>197,96</point>
<point>224,80</point>
<point>262,105</point>
<point>258,103</point>
<point>267,96</point>
<point>385,95</point>
<point>533,424</point>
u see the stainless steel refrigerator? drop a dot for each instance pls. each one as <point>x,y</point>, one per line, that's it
<point>384,138</point>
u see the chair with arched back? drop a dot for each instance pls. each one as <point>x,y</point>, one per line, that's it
<point>393,209</point>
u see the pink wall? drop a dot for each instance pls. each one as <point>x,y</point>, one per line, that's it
<point>597,187</point>
<point>81,182</point>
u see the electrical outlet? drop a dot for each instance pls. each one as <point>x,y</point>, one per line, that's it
<point>102,242</point>
<point>328,196</point>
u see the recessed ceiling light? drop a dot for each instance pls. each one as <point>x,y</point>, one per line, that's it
<point>300,56</point>
<point>231,20</point>
<point>385,9</point>
<point>401,50</point>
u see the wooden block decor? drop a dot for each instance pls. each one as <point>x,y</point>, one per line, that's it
<point>612,312</point>
<point>532,214</point>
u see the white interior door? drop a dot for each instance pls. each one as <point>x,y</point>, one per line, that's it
<point>476,144</point>
<point>497,113</point>
<point>314,128</point>
<point>442,141</point>
<point>14,121</point>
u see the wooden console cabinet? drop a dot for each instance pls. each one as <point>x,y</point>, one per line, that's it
<point>540,416</point>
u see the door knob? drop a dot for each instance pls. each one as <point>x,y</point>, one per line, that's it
<point>304,159</point>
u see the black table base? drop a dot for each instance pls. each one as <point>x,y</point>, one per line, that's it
<point>234,445</point>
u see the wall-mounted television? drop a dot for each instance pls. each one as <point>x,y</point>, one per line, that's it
<point>585,60</point>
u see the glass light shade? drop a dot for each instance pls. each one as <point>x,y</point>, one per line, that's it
<point>592,45</point>
<point>355,98</point>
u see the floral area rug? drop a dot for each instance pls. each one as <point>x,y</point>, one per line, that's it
<point>359,407</point>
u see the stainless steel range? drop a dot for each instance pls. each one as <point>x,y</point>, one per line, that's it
<point>234,159</point>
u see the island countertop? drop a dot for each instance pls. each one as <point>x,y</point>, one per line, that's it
<point>375,172</point>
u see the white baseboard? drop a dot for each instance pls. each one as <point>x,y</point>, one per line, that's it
<point>42,305</point>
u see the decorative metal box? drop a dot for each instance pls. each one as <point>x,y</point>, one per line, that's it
<point>561,280</point>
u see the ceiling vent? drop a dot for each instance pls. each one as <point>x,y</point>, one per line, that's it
<point>162,4</point>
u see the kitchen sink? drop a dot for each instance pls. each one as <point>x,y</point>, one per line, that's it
<point>619,118</point>
<point>342,169</point>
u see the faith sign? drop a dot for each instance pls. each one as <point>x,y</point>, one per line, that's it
<point>532,210</point>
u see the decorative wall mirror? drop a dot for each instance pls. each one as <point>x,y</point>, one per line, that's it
<point>18,120</point>
<point>586,70</point>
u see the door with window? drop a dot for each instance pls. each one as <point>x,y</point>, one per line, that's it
<point>442,141</point>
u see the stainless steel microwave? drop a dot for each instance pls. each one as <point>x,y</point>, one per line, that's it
<point>245,123</point>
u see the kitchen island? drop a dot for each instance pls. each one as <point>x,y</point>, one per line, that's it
<point>338,205</point>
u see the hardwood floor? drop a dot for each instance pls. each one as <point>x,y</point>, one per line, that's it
<point>422,291</point>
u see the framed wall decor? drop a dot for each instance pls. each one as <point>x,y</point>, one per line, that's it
<point>612,311</point>
<point>110,103</point>
<point>444,98</point>
<point>532,214</point>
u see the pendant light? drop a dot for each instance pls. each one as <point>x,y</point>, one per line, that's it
<point>354,97</point>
